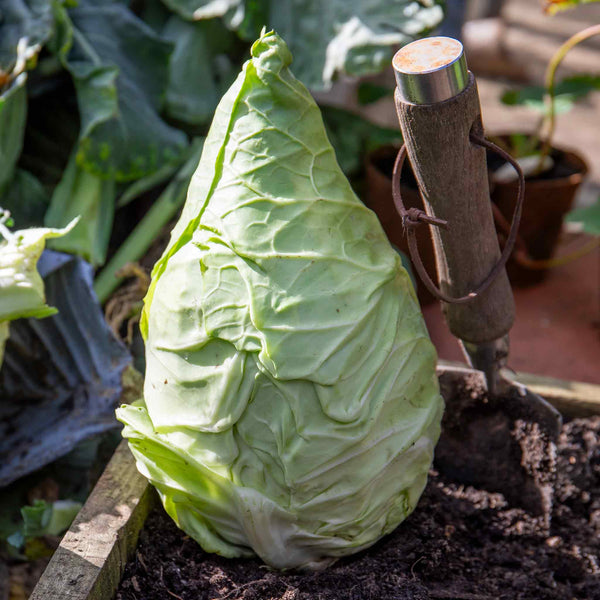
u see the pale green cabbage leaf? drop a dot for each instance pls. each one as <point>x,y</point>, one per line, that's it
<point>21,286</point>
<point>290,405</point>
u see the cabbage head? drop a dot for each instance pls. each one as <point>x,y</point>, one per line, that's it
<point>290,404</point>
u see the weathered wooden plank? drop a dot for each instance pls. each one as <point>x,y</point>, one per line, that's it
<point>90,560</point>
<point>571,398</point>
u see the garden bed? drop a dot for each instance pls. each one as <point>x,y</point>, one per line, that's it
<point>460,542</point>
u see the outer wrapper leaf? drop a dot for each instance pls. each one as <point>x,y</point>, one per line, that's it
<point>291,404</point>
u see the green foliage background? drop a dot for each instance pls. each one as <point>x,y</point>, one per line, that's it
<point>103,101</point>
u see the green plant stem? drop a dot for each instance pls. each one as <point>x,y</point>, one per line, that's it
<point>553,65</point>
<point>140,239</point>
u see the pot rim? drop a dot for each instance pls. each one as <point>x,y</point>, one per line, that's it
<point>570,155</point>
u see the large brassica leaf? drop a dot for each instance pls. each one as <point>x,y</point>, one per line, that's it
<point>353,37</point>
<point>13,111</point>
<point>25,199</point>
<point>120,71</point>
<point>199,69</point>
<point>290,402</point>
<point>28,21</point>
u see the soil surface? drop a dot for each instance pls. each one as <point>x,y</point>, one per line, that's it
<point>461,543</point>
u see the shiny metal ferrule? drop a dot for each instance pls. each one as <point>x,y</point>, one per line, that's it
<point>430,70</point>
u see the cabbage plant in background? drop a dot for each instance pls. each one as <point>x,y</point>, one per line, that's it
<point>21,286</point>
<point>291,405</point>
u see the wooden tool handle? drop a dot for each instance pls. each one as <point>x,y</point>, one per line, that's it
<point>452,175</point>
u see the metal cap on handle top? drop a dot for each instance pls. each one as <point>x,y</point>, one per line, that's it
<point>430,70</point>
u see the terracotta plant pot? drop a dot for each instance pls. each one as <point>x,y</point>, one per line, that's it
<point>547,200</point>
<point>378,197</point>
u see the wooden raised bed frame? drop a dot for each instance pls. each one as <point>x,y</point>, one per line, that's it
<point>89,563</point>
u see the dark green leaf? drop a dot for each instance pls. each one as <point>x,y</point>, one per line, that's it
<point>13,112</point>
<point>26,200</point>
<point>51,132</point>
<point>120,70</point>
<point>353,37</point>
<point>255,17</point>
<point>199,70</point>
<point>589,217</point>
<point>31,19</point>
<point>352,137</point>
<point>155,14</point>
<point>165,173</point>
<point>145,184</point>
<point>370,92</point>
<point>92,198</point>
<point>165,207</point>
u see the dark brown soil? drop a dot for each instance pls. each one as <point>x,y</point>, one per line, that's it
<point>460,543</point>
<point>503,444</point>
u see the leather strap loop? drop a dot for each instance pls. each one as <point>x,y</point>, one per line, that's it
<point>414,217</point>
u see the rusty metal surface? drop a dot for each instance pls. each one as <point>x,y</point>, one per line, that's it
<point>429,54</point>
<point>430,70</point>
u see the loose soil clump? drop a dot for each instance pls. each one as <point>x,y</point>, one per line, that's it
<point>461,542</point>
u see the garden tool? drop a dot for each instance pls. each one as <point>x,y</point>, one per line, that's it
<point>505,442</point>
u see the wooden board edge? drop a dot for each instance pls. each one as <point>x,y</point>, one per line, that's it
<point>92,555</point>
<point>572,398</point>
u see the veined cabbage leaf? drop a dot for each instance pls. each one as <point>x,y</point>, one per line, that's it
<point>290,404</point>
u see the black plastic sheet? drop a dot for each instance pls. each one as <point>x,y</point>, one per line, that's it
<point>61,377</point>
